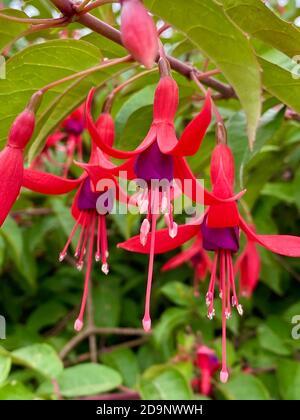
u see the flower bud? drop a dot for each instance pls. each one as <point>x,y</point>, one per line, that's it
<point>21,130</point>
<point>138,32</point>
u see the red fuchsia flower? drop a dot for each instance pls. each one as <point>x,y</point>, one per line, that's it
<point>12,159</point>
<point>197,257</point>
<point>220,228</point>
<point>138,32</point>
<point>89,209</point>
<point>159,158</point>
<point>68,139</point>
<point>207,363</point>
<point>248,266</point>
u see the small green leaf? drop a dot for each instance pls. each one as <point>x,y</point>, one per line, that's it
<point>40,357</point>
<point>168,385</point>
<point>288,375</point>
<point>125,362</point>
<point>5,365</point>
<point>15,391</point>
<point>244,387</point>
<point>9,30</point>
<point>178,293</point>
<point>84,379</point>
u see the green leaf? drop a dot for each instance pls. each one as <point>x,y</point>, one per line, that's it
<point>259,21</point>
<point>40,357</point>
<point>269,340</point>
<point>15,391</point>
<point>168,385</point>
<point>45,315</point>
<point>64,218</point>
<point>209,29</point>
<point>10,30</point>
<point>244,387</point>
<point>125,362</point>
<point>178,293</point>
<point>288,375</point>
<point>107,299</point>
<point>83,380</point>
<point>5,365</point>
<point>280,83</point>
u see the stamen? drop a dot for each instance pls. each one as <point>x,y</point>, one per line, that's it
<point>234,299</point>
<point>144,231</point>
<point>104,247</point>
<point>79,321</point>
<point>77,250</point>
<point>98,251</point>
<point>79,265</point>
<point>65,249</point>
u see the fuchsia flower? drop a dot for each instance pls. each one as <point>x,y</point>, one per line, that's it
<point>207,363</point>
<point>89,208</point>
<point>248,266</point>
<point>70,133</point>
<point>160,157</point>
<point>220,229</point>
<point>12,160</point>
<point>197,257</point>
<point>138,32</point>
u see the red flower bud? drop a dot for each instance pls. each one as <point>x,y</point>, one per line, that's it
<point>22,129</point>
<point>11,161</point>
<point>138,32</point>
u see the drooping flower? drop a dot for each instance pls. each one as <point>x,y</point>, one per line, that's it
<point>207,363</point>
<point>157,161</point>
<point>220,228</point>
<point>68,139</point>
<point>12,159</point>
<point>89,208</point>
<point>138,32</point>
<point>248,266</point>
<point>197,257</point>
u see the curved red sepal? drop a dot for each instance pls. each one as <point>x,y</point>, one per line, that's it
<point>45,183</point>
<point>163,242</point>
<point>11,174</point>
<point>248,265</point>
<point>280,244</point>
<point>100,142</point>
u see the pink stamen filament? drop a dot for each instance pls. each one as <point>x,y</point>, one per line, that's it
<point>85,240</point>
<point>104,247</point>
<point>79,321</point>
<point>98,251</point>
<point>65,249</point>
<point>77,250</point>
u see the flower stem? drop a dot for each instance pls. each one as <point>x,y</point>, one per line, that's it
<point>84,7</point>
<point>34,21</point>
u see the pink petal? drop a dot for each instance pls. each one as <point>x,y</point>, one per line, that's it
<point>45,183</point>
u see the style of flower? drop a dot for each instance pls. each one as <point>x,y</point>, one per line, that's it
<point>89,208</point>
<point>248,266</point>
<point>220,228</point>
<point>208,364</point>
<point>68,138</point>
<point>197,257</point>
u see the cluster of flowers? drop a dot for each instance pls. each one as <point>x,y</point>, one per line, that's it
<point>160,156</point>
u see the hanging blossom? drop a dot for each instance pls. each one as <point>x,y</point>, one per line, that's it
<point>197,257</point>
<point>248,266</point>
<point>138,32</point>
<point>208,364</point>
<point>12,157</point>
<point>156,162</point>
<point>68,139</point>
<point>220,227</point>
<point>89,208</point>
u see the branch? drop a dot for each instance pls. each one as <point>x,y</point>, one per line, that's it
<point>68,10</point>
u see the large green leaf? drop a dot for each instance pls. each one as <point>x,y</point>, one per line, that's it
<point>5,365</point>
<point>207,26</point>
<point>15,391</point>
<point>84,379</point>
<point>40,357</point>
<point>125,362</point>
<point>258,20</point>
